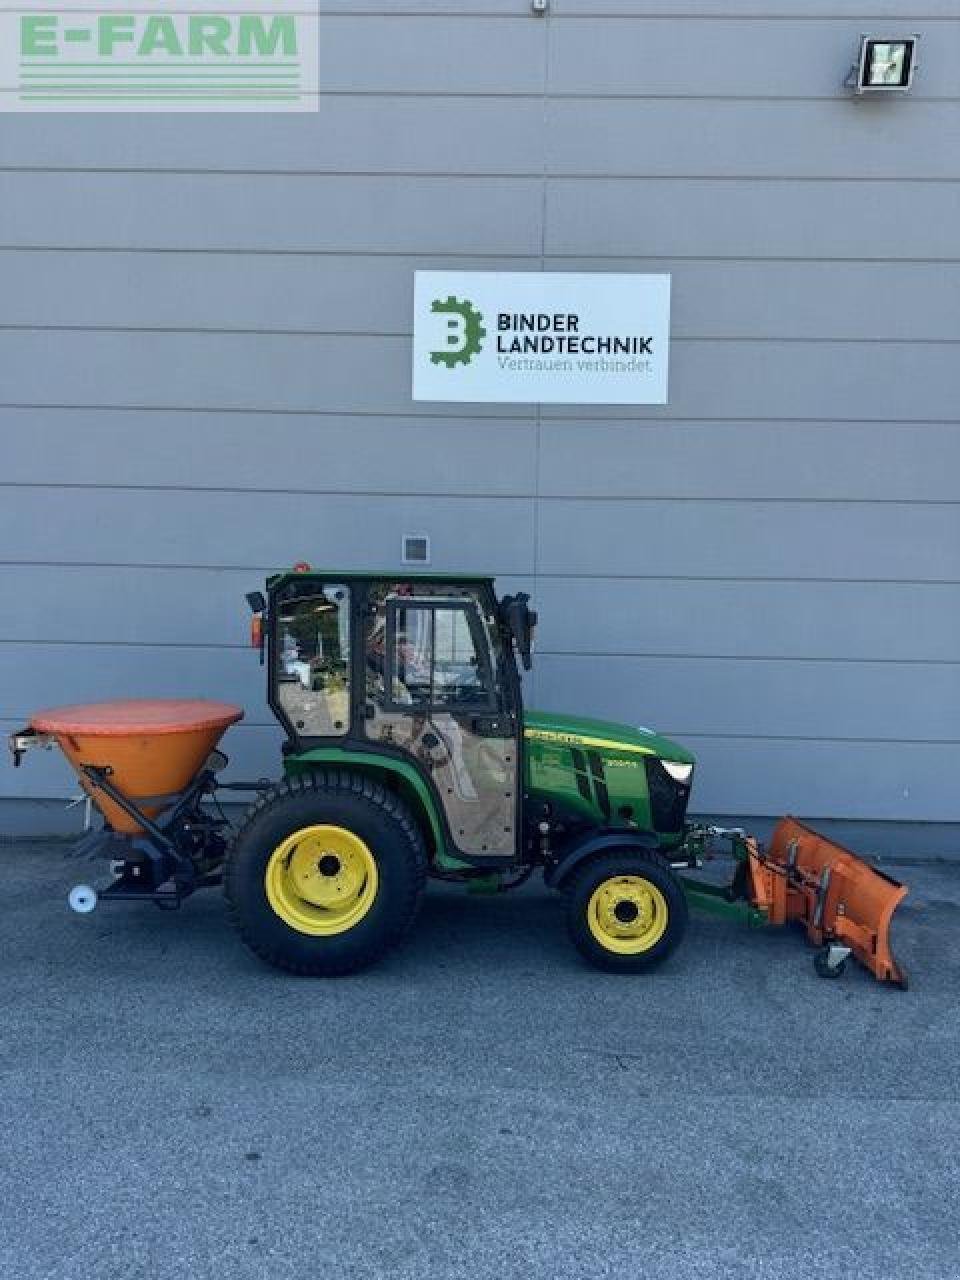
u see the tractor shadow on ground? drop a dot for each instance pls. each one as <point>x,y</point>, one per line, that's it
<point>520,930</point>
<point>524,932</point>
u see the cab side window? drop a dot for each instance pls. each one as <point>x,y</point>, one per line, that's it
<point>439,659</point>
<point>313,660</point>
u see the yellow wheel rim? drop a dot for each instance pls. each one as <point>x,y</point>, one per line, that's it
<point>321,880</point>
<point>627,914</point>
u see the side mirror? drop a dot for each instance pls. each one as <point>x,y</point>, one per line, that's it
<point>257,601</point>
<point>520,621</point>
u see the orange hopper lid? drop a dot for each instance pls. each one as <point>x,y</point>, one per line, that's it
<point>137,715</point>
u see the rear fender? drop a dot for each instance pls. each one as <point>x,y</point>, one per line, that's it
<point>571,857</point>
<point>403,777</point>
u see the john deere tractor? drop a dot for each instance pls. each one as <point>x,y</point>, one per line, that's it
<point>408,754</point>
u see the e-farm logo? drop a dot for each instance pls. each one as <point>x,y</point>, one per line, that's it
<point>144,58</point>
<point>465,331</point>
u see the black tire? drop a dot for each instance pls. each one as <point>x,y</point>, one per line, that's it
<point>362,807</point>
<point>586,879</point>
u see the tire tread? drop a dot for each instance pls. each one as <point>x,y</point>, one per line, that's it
<point>329,782</point>
<point>576,922</point>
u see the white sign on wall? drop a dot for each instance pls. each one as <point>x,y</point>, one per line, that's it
<point>552,337</point>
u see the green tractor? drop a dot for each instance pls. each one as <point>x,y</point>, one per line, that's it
<point>409,755</point>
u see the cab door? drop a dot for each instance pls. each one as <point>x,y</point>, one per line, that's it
<point>435,690</point>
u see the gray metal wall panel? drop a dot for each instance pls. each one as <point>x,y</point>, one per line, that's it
<point>271,213</point>
<point>261,291</point>
<point>839,12</point>
<point>399,53</point>
<point>373,293</point>
<point>871,541</point>
<point>174,527</point>
<point>88,673</point>
<point>54,606</point>
<point>889,461</point>
<point>855,621</point>
<point>347,134</point>
<point>767,566</point>
<point>210,370</point>
<point>426,134</point>
<point>751,218</point>
<point>724,139</point>
<point>646,55</point>
<point>251,451</point>
<point>733,697</point>
<point>429,8</point>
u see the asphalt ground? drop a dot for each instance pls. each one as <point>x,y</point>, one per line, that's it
<point>481,1105</point>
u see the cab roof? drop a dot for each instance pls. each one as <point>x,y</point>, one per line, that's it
<point>377,575</point>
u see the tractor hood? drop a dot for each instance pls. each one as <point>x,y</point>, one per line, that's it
<point>601,735</point>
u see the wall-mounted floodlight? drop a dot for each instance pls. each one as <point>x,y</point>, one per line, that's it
<point>886,64</point>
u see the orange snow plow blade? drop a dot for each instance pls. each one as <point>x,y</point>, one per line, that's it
<point>838,898</point>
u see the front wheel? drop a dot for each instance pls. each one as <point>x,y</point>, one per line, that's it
<point>326,874</point>
<point>625,911</point>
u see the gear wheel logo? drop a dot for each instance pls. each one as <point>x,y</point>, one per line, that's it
<point>465,332</point>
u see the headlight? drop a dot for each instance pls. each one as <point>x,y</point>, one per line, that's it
<point>678,772</point>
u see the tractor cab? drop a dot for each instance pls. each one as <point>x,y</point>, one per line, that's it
<point>417,671</point>
<point>421,675</point>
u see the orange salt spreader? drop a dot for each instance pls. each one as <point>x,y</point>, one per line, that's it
<point>136,759</point>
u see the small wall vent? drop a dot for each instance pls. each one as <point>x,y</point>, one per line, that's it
<point>416,548</point>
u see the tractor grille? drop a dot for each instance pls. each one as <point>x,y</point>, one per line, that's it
<point>668,799</point>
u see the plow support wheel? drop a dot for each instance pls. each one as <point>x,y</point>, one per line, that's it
<point>838,897</point>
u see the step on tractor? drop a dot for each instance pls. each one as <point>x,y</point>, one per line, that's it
<point>409,755</point>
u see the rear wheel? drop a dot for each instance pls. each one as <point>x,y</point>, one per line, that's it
<point>326,874</point>
<point>625,911</point>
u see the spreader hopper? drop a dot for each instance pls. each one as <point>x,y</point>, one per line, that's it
<point>149,750</point>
